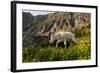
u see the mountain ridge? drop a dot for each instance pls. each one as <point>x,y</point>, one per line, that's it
<point>43,25</point>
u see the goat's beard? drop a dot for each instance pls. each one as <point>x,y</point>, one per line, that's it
<point>51,41</point>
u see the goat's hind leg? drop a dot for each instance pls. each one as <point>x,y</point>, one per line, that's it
<point>65,43</point>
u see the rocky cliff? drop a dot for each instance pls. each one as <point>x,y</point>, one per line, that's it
<point>42,25</point>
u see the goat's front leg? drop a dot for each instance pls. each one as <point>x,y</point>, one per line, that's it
<point>57,43</point>
<point>65,43</point>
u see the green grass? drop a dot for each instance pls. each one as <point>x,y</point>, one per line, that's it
<point>80,51</point>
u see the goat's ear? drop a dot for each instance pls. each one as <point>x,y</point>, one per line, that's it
<point>51,33</point>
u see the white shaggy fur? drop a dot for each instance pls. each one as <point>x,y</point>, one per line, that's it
<point>62,37</point>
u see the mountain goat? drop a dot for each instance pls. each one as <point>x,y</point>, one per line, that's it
<point>62,37</point>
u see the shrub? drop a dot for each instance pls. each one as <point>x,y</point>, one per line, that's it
<point>81,51</point>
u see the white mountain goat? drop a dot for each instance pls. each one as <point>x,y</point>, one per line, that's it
<point>62,37</point>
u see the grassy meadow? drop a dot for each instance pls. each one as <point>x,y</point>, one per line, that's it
<point>81,51</point>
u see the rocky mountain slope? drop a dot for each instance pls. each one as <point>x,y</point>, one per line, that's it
<point>40,26</point>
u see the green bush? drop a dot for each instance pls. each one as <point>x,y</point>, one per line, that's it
<point>81,51</point>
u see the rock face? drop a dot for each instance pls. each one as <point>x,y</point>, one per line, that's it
<point>37,29</point>
<point>31,41</point>
<point>27,21</point>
